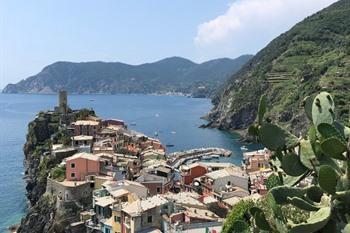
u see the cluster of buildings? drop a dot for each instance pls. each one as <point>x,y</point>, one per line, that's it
<point>123,182</point>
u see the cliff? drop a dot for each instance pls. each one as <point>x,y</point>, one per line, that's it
<point>44,215</point>
<point>312,56</point>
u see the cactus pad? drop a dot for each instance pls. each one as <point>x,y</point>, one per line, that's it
<point>292,166</point>
<point>302,204</point>
<point>316,221</point>
<point>323,109</point>
<point>314,193</point>
<point>328,131</point>
<point>307,155</point>
<point>307,103</point>
<point>334,148</point>
<point>275,138</point>
<point>327,178</point>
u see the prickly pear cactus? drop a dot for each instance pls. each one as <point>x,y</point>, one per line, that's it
<point>322,156</point>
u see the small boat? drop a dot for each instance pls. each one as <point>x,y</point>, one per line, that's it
<point>169,145</point>
<point>156,133</point>
<point>173,132</point>
<point>244,148</point>
<point>133,123</point>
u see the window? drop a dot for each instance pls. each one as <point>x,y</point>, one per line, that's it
<point>107,230</point>
<point>158,189</point>
<point>149,219</point>
<point>228,182</point>
<point>117,219</point>
<point>72,175</point>
<point>72,165</point>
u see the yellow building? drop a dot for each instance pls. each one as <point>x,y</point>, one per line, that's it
<point>127,198</point>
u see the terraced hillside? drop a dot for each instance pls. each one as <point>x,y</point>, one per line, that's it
<point>313,56</point>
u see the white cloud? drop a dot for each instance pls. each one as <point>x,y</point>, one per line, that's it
<point>248,25</point>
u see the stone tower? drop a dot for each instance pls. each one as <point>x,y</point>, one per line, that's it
<point>62,102</point>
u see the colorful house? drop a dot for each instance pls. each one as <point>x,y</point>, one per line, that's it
<point>143,214</point>
<point>86,127</point>
<point>217,181</point>
<point>81,165</point>
<point>256,160</point>
<point>159,180</point>
<point>189,172</point>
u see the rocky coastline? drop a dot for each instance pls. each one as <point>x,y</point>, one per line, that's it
<point>43,214</point>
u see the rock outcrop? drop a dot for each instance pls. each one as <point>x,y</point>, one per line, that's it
<point>45,214</point>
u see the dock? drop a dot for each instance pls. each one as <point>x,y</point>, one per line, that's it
<point>176,159</point>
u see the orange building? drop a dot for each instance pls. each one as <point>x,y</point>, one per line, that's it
<point>189,172</point>
<point>81,165</point>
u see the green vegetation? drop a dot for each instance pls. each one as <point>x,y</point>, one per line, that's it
<point>44,167</point>
<point>58,173</point>
<point>84,113</point>
<point>238,213</point>
<point>313,56</point>
<point>322,154</point>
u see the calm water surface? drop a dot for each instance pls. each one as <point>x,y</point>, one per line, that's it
<point>176,119</point>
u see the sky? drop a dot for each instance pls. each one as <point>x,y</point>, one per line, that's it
<point>36,33</point>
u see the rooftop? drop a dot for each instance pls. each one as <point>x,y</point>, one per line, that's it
<point>201,213</point>
<point>228,171</point>
<point>147,177</point>
<point>72,183</point>
<point>108,131</point>
<point>57,146</point>
<point>163,169</point>
<point>104,201</point>
<point>82,138</point>
<point>208,165</point>
<point>109,222</point>
<point>138,206</point>
<point>233,200</point>
<point>86,122</point>
<point>185,198</point>
<point>119,192</point>
<point>84,155</point>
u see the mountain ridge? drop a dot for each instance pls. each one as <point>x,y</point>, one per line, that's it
<point>313,55</point>
<point>169,75</point>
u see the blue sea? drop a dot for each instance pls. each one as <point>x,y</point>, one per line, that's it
<point>175,118</point>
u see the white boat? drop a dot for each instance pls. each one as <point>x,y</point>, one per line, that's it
<point>244,148</point>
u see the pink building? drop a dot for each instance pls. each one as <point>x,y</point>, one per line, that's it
<point>81,165</point>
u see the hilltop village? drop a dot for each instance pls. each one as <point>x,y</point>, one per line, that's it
<point>119,180</point>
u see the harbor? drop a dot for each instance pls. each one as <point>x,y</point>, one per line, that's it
<point>176,159</point>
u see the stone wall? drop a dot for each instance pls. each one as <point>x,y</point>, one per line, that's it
<point>67,193</point>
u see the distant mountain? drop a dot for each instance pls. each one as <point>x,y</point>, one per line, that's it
<point>312,56</point>
<point>170,75</point>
